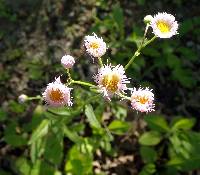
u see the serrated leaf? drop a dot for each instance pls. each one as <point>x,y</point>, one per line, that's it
<point>89,112</point>
<point>150,138</point>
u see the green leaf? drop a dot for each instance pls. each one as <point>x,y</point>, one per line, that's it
<point>89,112</point>
<point>3,115</point>
<point>37,149</point>
<point>157,123</point>
<point>73,136</point>
<point>40,131</point>
<point>119,127</point>
<point>185,164</point>
<point>150,138</point>
<point>78,163</point>
<point>183,123</point>
<point>15,140</point>
<point>119,111</point>
<point>23,166</point>
<point>149,51</point>
<point>185,77</point>
<point>148,154</point>
<point>42,168</point>
<point>148,169</point>
<point>118,17</point>
<point>173,61</point>
<point>53,149</point>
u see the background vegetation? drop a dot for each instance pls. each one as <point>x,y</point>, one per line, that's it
<point>96,137</point>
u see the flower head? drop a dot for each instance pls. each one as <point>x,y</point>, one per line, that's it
<point>95,46</point>
<point>111,80</point>
<point>164,25</point>
<point>148,19</point>
<point>142,100</point>
<point>67,61</point>
<point>57,94</point>
<point>22,98</point>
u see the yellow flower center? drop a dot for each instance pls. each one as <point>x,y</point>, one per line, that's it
<point>56,95</point>
<point>143,100</point>
<point>110,82</point>
<point>94,45</point>
<point>163,26</point>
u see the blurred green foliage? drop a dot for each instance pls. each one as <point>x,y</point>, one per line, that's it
<point>67,140</point>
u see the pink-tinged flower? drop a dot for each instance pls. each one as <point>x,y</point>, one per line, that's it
<point>95,46</point>
<point>67,61</point>
<point>164,25</point>
<point>57,94</point>
<point>142,100</point>
<point>111,80</point>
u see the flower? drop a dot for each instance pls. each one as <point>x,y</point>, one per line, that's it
<point>67,61</point>
<point>148,19</point>
<point>57,94</point>
<point>142,100</point>
<point>95,46</point>
<point>111,80</point>
<point>164,25</point>
<point>22,98</point>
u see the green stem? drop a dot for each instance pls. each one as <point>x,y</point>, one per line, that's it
<point>82,83</point>
<point>149,41</point>
<point>137,52</point>
<point>34,98</point>
<point>69,77</point>
<point>100,62</point>
<point>124,96</point>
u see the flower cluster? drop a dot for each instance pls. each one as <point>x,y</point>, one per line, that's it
<point>111,80</point>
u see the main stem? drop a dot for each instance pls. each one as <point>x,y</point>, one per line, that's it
<point>82,83</point>
<point>137,52</point>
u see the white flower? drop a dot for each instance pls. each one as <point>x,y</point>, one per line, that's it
<point>142,100</point>
<point>67,61</point>
<point>164,25</point>
<point>22,98</point>
<point>57,94</point>
<point>95,46</point>
<point>111,80</point>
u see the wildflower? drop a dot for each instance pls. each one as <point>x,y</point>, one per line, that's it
<point>142,100</point>
<point>22,98</point>
<point>111,80</point>
<point>95,46</point>
<point>164,25</point>
<point>67,61</point>
<point>148,19</point>
<point>57,94</point>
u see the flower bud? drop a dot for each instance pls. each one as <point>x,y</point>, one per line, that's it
<point>67,61</point>
<point>22,98</point>
<point>148,19</point>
